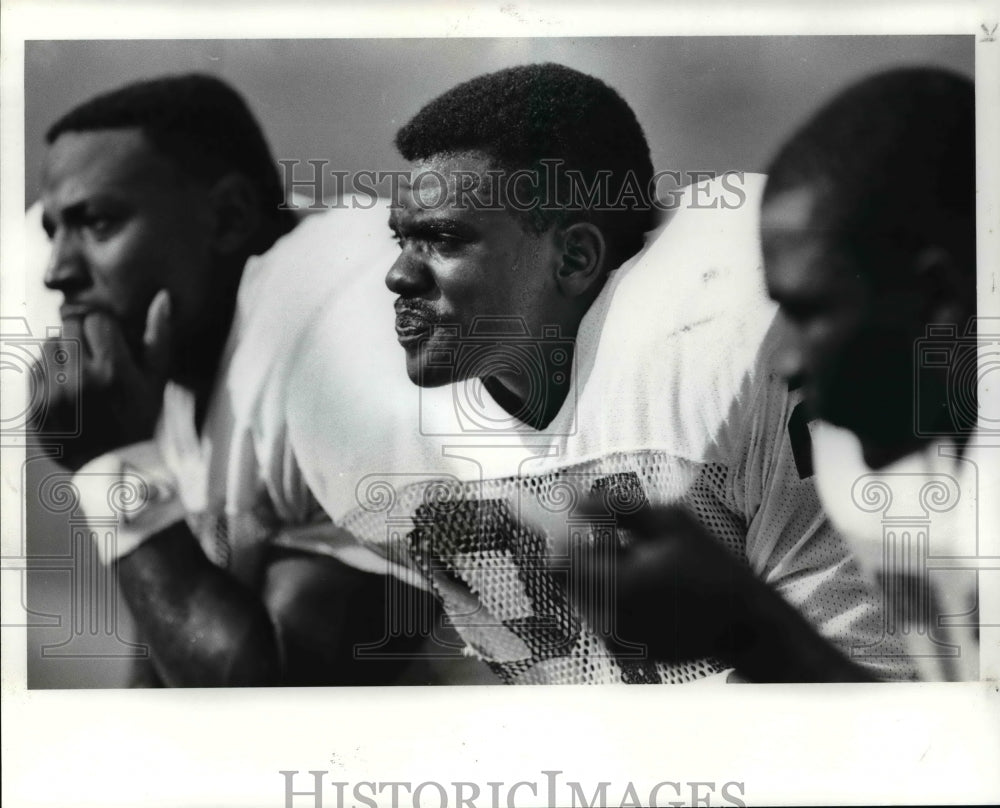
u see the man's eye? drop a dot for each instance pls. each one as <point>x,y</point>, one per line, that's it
<point>440,242</point>
<point>101,226</point>
<point>446,241</point>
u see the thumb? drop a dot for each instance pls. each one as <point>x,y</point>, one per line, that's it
<point>157,337</point>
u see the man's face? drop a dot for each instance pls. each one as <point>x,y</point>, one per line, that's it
<point>458,264</point>
<point>849,345</point>
<point>124,222</point>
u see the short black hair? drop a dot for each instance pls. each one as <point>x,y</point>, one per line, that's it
<point>521,116</point>
<point>892,161</point>
<point>199,122</point>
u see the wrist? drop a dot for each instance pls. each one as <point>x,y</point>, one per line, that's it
<point>770,641</point>
<point>127,496</point>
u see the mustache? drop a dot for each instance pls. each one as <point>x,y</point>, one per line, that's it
<point>416,310</point>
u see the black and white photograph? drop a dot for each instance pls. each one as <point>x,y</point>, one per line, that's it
<point>361,367</point>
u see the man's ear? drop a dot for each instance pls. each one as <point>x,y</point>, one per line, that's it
<point>948,289</point>
<point>582,259</point>
<point>236,208</point>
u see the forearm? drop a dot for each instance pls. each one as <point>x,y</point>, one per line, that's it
<point>203,628</point>
<point>769,641</point>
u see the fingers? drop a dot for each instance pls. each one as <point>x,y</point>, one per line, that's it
<point>105,348</point>
<point>72,329</point>
<point>670,589</point>
<point>650,522</point>
<point>593,508</point>
<point>158,334</point>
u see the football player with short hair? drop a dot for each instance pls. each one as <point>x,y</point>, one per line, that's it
<point>163,205</point>
<point>869,234</point>
<point>565,348</point>
<point>868,228</point>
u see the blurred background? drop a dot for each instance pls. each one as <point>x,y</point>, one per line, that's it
<point>706,103</point>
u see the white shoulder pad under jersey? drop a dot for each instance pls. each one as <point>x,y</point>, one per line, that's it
<point>673,399</point>
<point>239,478</point>
<point>919,529</point>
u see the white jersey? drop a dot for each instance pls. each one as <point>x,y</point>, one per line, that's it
<point>238,477</point>
<point>672,399</point>
<point>919,530</point>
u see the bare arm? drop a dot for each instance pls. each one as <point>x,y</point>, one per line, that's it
<point>716,607</point>
<point>679,592</point>
<point>204,628</point>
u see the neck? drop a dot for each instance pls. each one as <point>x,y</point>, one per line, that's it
<point>197,362</point>
<point>196,371</point>
<point>535,395</point>
<point>197,358</point>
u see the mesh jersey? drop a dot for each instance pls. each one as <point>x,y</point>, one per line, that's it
<point>239,478</point>
<point>672,400</point>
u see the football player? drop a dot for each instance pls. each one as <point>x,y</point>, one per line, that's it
<point>163,206</point>
<point>868,230</point>
<point>870,245</point>
<point>564,347</point>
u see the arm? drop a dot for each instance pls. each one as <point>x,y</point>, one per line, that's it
<point>201,625</point>
<point>323,609</point>
<point>204,629</point>
<point>677,590</point>
<point>771,642</point>
<point>790,542</point>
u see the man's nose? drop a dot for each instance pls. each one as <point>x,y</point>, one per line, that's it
<point>67,266</point>
<point>409,276</point>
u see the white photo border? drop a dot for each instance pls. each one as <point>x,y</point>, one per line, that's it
<point>802,744</point>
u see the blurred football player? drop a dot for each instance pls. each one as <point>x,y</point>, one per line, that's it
<point>163,205</point>
<point>870,244</point>
<point>868,230</point>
